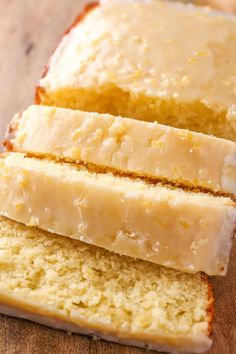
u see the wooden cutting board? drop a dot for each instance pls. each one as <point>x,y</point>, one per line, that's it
<point>29,31</point>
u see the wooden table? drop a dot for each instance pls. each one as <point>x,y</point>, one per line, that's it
<point>29,30</point>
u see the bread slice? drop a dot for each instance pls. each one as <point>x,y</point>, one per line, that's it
<point>126,145</point>
<point>183,230</point>
<point>67,284</point>
<point>175,65</point>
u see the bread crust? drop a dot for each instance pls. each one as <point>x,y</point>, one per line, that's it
<point>11,132</point>
<point>89,7</point>
<point>211,301</point>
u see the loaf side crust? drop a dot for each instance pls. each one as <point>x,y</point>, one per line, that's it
<point>39,90</point>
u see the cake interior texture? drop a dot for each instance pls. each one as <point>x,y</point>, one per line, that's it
<point>194,116</point>
<point>123,70</point>
<point>89,286</point>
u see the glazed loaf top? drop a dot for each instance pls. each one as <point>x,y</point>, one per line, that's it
<point>151,54</point>
<point>167,52</point>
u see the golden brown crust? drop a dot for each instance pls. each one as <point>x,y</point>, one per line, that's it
<point>7,144</point>
<point>39,90</point>
<point>11,132</point>
<point>211,300</point>
<point>82,15</point>
<point>89,7</point>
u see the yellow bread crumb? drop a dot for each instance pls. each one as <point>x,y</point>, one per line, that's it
<point>98,290</point>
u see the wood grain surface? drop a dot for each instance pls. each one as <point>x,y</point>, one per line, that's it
<point>29,31</point>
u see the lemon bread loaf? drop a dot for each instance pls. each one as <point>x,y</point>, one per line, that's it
<point>126,145</point>
<point>182,230</point>
<point>175,65</point>
<point>67,284</point>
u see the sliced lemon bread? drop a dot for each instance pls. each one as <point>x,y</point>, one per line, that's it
<point>66,284</point>
<point>156,67</point>
<point>126,145</point>
<point>183,230</point>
